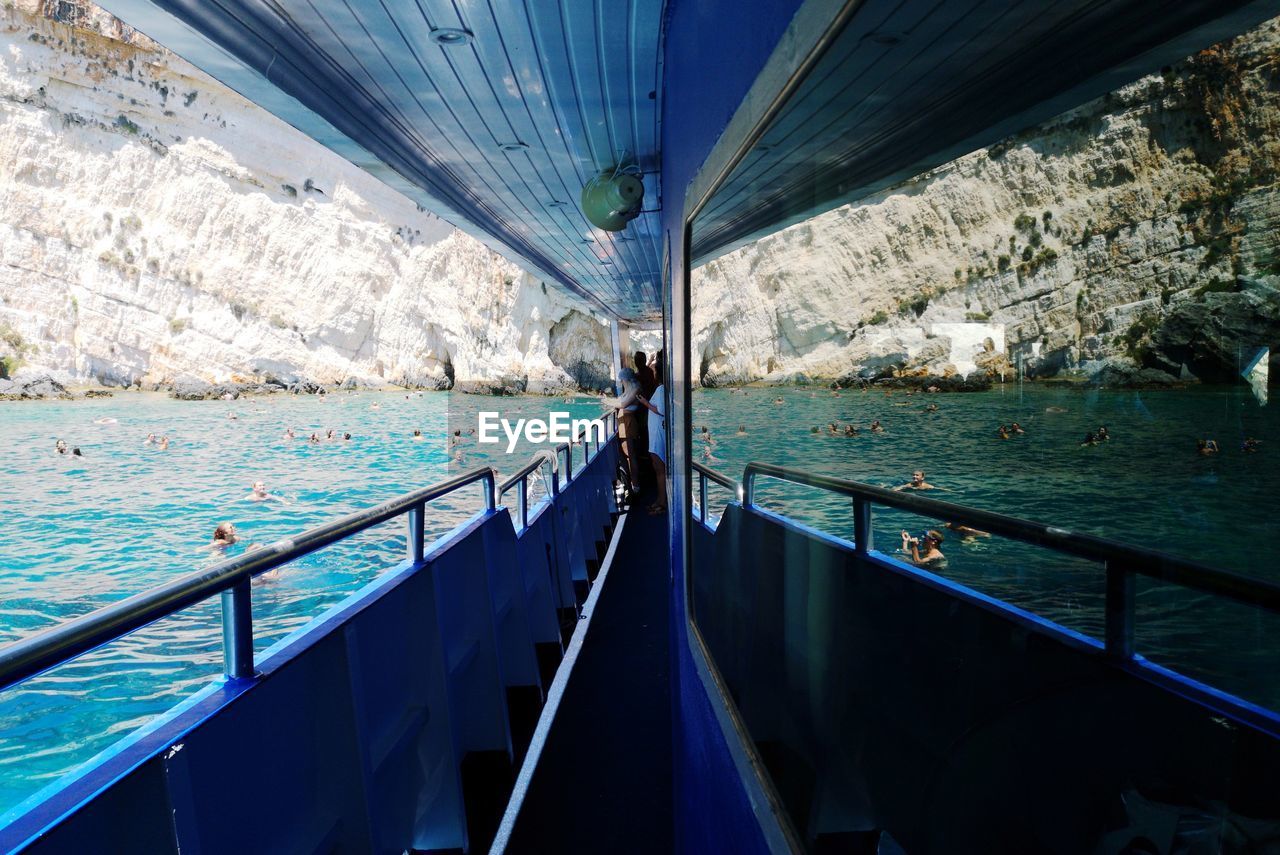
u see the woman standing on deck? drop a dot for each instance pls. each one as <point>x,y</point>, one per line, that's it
<point>658,436</point>
<point>628,408</point>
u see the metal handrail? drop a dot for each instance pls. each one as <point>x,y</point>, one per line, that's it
<point>37,653</point>
<point>706,474</point>
<point>1122,561</point>
<point>521,479</point>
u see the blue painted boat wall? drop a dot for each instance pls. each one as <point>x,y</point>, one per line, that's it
<point>712,54</point>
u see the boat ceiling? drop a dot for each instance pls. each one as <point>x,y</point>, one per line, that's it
<point>496,132</point>
<point>908,85</point>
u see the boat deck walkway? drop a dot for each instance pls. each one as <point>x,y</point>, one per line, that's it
<point>603,779</point>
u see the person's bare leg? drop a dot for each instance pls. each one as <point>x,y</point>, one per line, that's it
<point>660,471</point>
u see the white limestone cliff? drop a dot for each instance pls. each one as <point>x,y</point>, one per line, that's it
<point>155,226</point>
<point>1108,234</point>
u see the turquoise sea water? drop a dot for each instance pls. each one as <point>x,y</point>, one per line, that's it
<point>80,534</point>
<point>1147,485</point>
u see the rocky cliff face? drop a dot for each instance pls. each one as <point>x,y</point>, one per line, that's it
<point>155,226</point>
<point>1138,230</point>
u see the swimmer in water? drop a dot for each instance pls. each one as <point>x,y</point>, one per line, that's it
<point>314,438</point>
<point>1250,445</point>
<point>833,429</point>
<point>777,400</point>
<point>289,434</point>
<point>232,416</point>
<point>932,408</point>
<point>814,430</point>
<point>60,447</point>
<point>163,445</point>
<point>346,437</point>
<point>331,435</point>
<point>924,550</point>
<point>1016,428</point>
<point>1207,446</point>
<point>75,452</point>
<point>223,536</point>
<point>150,440</point>
<point>258,493</point>
<point>742,430</point>
<point>850,430</point>
<point>966,533</point>
<point>917,482</point>
<point>1089,440</point>
<point>876,427</point>
<point>1003,432</point>
<point>1102,434</point>
<point>417,436</point>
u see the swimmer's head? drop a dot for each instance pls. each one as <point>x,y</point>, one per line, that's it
<point>417,433</point>
<point>259,487</point>
<point>225,532</point>
<point>917,477</point>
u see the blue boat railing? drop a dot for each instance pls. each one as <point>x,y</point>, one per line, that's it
<point>231,578</point>
<point>704,475</point>
<point>520,481</point>
<point>1122,562</point>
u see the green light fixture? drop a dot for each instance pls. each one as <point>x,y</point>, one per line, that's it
<point>613,198</point>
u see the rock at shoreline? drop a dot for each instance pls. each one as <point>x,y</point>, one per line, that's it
<point>36,388</point>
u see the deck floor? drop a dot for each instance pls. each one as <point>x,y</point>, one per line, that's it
<point>603,782</point>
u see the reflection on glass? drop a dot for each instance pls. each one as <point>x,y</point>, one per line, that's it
<point>1073,326</point>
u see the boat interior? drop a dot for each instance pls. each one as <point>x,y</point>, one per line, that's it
<point>565,673</point>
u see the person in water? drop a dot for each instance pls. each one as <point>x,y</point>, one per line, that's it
<point>315,437</point>
<point>965,532</point>
<point>850,430</point>
<point>742,430</point>
<point>75,452</point>
<point>1250,445</point>
<point>163,445</point>
<point>924,550</point>
<point>289,434</point>
<point>917,482</point>
<point>60,447</point>
<point>1003,432</point>
<point>258,493</point>
<point>150,440</point>
<point>417,436</point>
<point>223,536</point>
<point>1016,428</point>
<point>1207,446</point>
<point>1090,439</point>
<point>1102,434</point>
<point>876,427</point>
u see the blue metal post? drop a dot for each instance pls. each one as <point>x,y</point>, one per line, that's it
<point>415,521</point>
<point>237,631</point>
<point>862,526</point>
<point>702,497</point>
<point>1120,609</point>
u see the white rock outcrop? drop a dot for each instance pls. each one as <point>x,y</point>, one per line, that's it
<point>1083,238</point>
<point>155,225</point>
